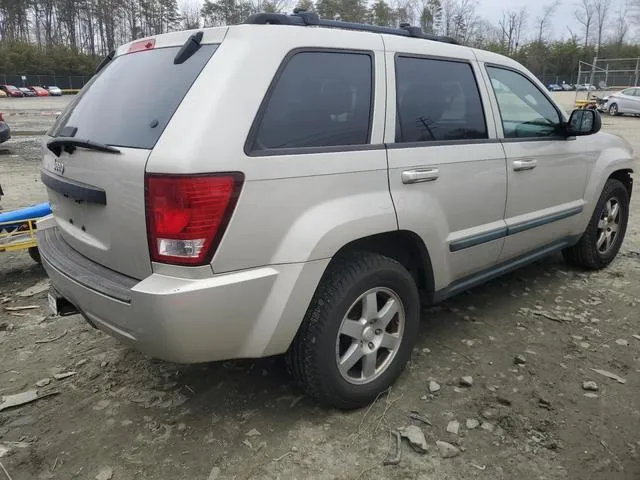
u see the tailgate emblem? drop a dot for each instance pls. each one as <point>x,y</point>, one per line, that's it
<point>58,167</point>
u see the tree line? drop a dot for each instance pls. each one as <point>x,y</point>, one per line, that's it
<point>70,36</point>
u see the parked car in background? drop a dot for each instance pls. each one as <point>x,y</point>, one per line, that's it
<point>554,87</point>
<point>54,91</point>
<point>11,91</point>
<point>5,131</point>
<point>586,87</point>
<point>619,103</point>
<point>27,92</point>
<point>39,91</point>
<point>567,87</point>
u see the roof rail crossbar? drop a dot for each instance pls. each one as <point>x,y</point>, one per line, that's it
<point>304,18</point>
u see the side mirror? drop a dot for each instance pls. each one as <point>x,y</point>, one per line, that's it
<point>583,122</point>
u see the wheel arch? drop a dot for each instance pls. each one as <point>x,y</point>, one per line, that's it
<point>624,176</point>
<point>407,248</point>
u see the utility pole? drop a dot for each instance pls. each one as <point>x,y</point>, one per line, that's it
<point>593,75</point>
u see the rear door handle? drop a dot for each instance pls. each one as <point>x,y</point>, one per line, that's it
<point>417,176</point>
<point>521,165</point>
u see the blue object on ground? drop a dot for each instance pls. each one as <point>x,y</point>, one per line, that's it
<point>35,211</point>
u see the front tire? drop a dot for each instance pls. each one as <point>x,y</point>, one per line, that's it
<point>603,237</point>
<point>358,332</point>
<point>613,110</point>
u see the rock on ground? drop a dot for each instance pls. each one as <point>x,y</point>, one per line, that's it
<point>434,386</point>
<point>447,450</point>
<point>472,423</point>
<point>453,427</point>
<point>590,385</point>
<point>43,383</point>
<point>105,473</point>
<point>416,438</point>
<point>466,381</point>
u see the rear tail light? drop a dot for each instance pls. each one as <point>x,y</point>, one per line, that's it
<point>187,215</point>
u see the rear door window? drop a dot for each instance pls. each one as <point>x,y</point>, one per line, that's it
<point>319,99</point>
<point>437,100</point>
<point>130,101</point>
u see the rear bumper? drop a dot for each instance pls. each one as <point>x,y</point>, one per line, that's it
<point>245,314</point>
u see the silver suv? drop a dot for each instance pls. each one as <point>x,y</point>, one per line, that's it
<point>296,185</point>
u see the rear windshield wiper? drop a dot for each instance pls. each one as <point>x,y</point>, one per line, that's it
<point>105,61</point>
<point>69,144</point>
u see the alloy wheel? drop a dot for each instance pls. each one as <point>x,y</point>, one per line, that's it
<point>370,335</point>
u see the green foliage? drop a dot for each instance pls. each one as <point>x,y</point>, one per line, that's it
<point>431,16</point>
<point>26,58</point>
<point>226,12</point>
<point>306,5</point>
<point>382,14</point>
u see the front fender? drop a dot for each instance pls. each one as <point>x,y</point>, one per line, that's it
<point>615,155</point>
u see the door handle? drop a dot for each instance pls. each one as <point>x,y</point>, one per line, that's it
<point>521,165</point>
<point>417,176</point>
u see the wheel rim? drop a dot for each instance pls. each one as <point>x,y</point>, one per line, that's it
<point>608,226</point>
<point>370,335</point>
<point>613,109</point>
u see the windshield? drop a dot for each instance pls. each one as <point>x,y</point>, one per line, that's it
<point>130,102</point>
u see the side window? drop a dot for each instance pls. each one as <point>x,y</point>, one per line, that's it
<point>319,99</point>
<point>437,100</point>
<point>525,110</point>
<point>636,92</point>
<point>628,91</point>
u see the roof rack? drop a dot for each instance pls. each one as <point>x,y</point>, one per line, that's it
<point>303,18</point>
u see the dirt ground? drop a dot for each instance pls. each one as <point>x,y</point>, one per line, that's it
<point>124,416</point>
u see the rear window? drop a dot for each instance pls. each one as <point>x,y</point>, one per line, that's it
<point>130,102</point>
<point>437,100</point>
<point>320,99</point>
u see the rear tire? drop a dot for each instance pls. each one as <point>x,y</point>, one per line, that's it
<point>34,253</point>
<point>358,293</point>
<point>603,237</point>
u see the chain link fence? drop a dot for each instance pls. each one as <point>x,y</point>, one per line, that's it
<point>610,73</point>
<point>59,80</point>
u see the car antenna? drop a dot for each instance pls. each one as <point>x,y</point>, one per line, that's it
<point>191,46</point>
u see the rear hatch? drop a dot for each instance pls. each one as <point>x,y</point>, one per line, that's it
<point>95,154</point>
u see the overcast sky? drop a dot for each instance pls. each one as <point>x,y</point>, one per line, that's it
<point>563,17</point>
<point>491,10</point>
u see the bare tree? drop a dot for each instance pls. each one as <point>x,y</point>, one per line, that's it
<point>189,14</point>
<point>543,21</point>
<point>621,24</point>
<point>584,14</point>
<point>459,19</point>
<point>511,26</point>
<point>601,12</point>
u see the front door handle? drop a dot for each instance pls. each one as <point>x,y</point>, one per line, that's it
<point>521,165</point>
<point>417,176</point>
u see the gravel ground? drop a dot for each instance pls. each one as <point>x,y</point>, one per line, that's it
<point>122,415</point>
